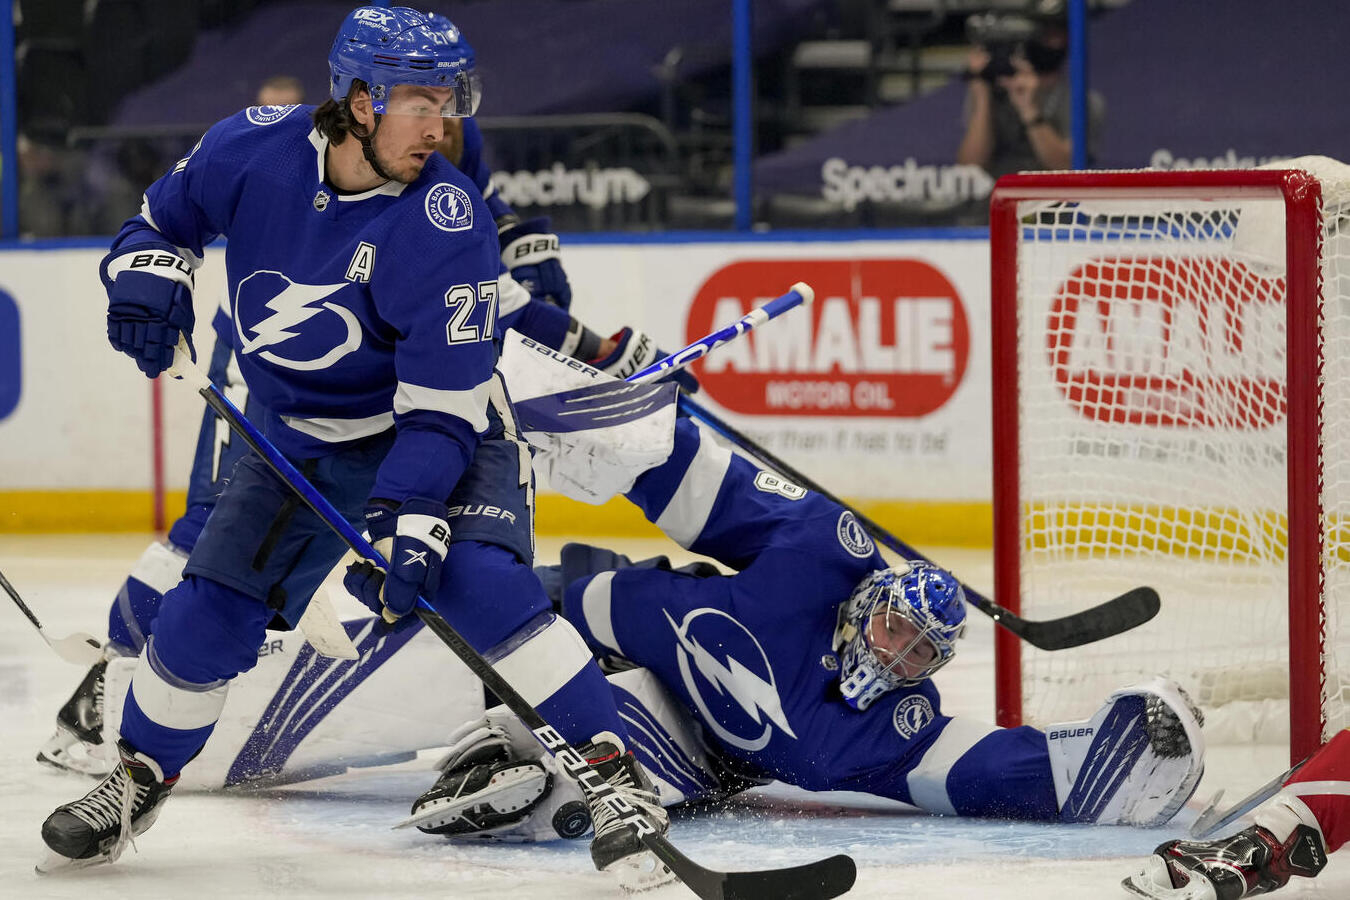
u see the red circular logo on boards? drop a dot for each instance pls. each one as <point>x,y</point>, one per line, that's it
<point>885,337</point>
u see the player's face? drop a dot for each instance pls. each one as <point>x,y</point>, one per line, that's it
<point>410,130</point>
<point>897,643</point>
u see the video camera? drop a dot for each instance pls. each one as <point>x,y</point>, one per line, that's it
<point>1004,36</point>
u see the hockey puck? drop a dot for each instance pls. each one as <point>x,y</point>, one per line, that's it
<point>572,820</point>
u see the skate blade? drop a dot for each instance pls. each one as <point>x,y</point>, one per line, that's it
<point>65,751</point>
<point>1154,882</point>
<point>54,863</point>
<point>641,872</point>
<point>529,782</point>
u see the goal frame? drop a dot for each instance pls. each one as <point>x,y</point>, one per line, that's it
<point>1302,197</point>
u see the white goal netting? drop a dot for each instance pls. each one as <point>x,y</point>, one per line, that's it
<point>1151,396</point>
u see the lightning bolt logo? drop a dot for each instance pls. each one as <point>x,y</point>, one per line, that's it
<point>732,679</point>
<point>292,306</point>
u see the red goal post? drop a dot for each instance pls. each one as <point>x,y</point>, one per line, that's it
<point>1166,355</point>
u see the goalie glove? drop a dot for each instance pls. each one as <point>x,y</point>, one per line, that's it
<point>414,537</point>
<point>634,351</point>
<point>149,305</point>
<point>1136,762</point>
<point>530,253</point>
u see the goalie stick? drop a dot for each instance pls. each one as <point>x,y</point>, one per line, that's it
<point>798,295</point>
<point>1119,614</point>
<point>78,648</point>
<point>818,880</point>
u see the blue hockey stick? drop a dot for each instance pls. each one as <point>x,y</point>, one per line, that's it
<point>818,880</point>
<point>799,294</point>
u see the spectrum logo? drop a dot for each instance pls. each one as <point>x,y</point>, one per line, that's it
<point>885,337</point>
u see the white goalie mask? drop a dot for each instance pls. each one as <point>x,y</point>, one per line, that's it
<point>898,628</point>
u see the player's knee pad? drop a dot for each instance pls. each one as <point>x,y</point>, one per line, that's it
<point>1136,762</point>
<point>159,569</point>
<point>487,593</point>
<point>208,632</point>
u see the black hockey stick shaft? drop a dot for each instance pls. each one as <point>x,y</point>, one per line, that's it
<point>18,601</point>
<point>78,648</point>
<point>1119,614</point>
<point>819,880</point>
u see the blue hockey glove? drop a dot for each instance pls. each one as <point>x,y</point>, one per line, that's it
<point>636,351</point>
<point>149,306</point>
<point>414,537</point>
<point>530,254</point>
<point>364,581</point>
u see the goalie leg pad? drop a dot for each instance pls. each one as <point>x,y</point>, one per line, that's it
<point>1136,762</point>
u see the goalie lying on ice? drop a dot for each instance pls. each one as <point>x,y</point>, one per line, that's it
<point>809,664</point>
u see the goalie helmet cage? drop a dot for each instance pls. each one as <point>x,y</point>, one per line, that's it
<point>1171,407</point>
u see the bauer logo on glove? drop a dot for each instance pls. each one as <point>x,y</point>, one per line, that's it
<point>414,537</point>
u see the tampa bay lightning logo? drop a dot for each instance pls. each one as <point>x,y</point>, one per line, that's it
<point>292,325</point>
<point>734,689</point>
<point>266,115</point>
<point>911,715</point>
<point>853,536</point>
<point>449,208</point>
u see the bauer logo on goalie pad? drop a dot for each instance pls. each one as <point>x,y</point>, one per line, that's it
<point>911,715</point>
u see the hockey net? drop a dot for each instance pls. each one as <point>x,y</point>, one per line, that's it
<point>1172,408</point>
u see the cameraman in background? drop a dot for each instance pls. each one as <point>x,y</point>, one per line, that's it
<point>1017,99</point>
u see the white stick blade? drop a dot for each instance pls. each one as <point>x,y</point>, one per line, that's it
<point>79,648</point>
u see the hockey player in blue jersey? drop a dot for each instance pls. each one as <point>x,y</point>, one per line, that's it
<point>362,271</point>
<point>809,664</point>
<point>530,255</point>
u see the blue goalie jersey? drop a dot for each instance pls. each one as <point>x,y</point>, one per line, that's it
<point>352,313</point>
<point>752,655</point>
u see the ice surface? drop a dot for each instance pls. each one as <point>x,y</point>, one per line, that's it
<point>333,837</point>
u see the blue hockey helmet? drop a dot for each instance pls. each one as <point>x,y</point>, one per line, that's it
<point>389,46</point>
<point>898,628</point>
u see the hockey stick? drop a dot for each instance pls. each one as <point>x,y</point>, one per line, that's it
<point>78,648</point>
<point>799,294</point>
<point>1210,821</point>
<point>1119,614</point>
<point>819,880</point>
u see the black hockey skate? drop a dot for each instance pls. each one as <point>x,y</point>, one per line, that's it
<point>77,744</point>
<point>96,828</point>
<point>1249,863</point>
<point>483,788</point>
<point>617,846</point>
